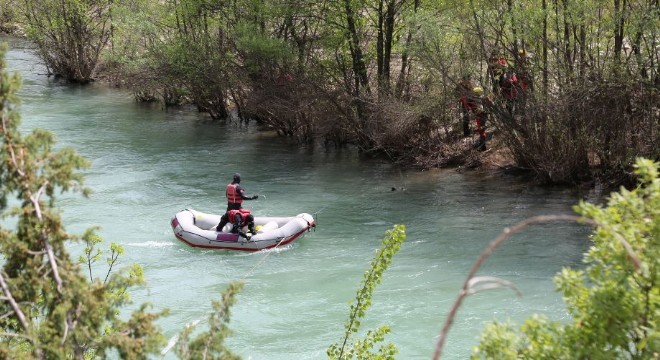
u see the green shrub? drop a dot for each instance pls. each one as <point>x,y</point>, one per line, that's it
<point>613,302</point>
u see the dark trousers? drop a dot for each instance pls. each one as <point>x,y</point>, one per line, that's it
<point>466,121</point>
<point>237,224</point>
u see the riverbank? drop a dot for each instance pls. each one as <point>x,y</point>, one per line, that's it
<point>567,127</point>
<point>459,154</point>
<point>448,152</point>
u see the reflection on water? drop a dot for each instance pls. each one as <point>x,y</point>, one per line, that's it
<point>148,164</point>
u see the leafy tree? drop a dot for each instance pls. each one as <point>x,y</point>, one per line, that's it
<point>126,61</point>
<point>48,308</point>
<point>7,15</point>
<point>349,348</point>
<point>587,88</point>
<point>70,34</point>
<point>614,301</point>
<point>210,344</point>
<point>381,74</point>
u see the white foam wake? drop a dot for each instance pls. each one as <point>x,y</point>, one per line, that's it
<point>152,244</point>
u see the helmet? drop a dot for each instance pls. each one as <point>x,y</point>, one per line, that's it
<point>477,90</point>
<point>237,178</point>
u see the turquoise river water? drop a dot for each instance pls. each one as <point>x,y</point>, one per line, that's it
<point>148,163</point>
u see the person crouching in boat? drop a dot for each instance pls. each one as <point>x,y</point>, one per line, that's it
<point>239,219</point>
<point>236,194</point>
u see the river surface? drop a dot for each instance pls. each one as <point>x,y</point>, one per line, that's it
<point>148,164</point>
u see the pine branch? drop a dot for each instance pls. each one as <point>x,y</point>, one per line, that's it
<point>10,298</point>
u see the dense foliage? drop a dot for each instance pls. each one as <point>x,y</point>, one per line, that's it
<point>348,347</point>
<point>49,309</point>
<point>383,74</point>
<point>210,344</point>
<point>614,301</point>
<point>380,74</point>
<point>70,35</point>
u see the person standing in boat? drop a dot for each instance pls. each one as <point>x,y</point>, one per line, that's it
<point>239,219</point>
<point>236,194</point>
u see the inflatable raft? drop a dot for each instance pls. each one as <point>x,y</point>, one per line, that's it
<point>198,229</point>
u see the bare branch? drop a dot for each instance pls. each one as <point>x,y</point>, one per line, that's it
<point>471,281</point>
<point>504,235</point>
<point>14,305</point>
<point>16,335</point>
<point>34,198</point>
<point>481,283</point>
<point>53,263</point>
<point>10,146</point>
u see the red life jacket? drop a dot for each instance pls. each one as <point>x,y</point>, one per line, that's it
<point>466,104</point>
<point>470,102</point>
<point>508,86</point>
<point>232,195</point>
<point>523,81</point>
<point>464,89</point>
<point>497,66</point>
<point>243,212</point>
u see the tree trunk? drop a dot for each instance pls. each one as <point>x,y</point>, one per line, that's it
<point>544,55</point>
<point>514,30</point>
<point>567,40</point>
<point>402,79</point>
<point>390,18</point>
<point>619,22</point>
<point>380,44</point>
<point>359,68</point>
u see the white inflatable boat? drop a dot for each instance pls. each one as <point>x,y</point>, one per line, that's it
<point>198,229</point>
